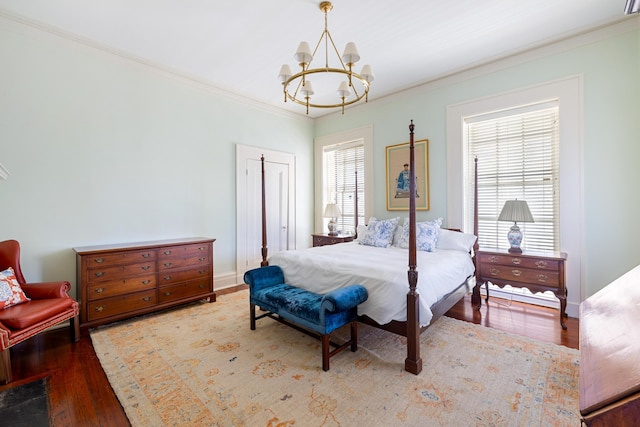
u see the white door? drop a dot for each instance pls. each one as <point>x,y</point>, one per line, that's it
<point>280,200</point>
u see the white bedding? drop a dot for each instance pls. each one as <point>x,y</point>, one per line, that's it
<point>383,271</point>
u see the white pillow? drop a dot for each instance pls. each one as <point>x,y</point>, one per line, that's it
<point>398,234</point>
<point>449,239</point>
<point>427,233</point>
<point>361,230</point>
<point>379,232</point>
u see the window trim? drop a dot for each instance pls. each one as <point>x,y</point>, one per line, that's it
<point>366,135</point>
<point>568,91</point>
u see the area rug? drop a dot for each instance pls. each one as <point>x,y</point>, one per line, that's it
<point>25,405</point>
<point>201,365</point>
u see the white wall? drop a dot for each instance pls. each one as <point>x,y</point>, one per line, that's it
<point>101,149</point>
<point>609,61</point>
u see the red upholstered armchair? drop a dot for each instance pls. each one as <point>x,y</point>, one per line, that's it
<point>49,305</point>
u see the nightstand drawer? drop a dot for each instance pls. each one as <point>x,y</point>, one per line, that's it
<point>520,275</point>
<point>323,239</point>
<point>524,262</point>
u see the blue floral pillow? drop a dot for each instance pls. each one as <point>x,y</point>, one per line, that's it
<point>427,233</point>
<point>380,232</point>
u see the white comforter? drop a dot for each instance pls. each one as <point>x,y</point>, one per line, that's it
<point>383,271</point>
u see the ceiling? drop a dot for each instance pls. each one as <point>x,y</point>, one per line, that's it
<point>239,46</point>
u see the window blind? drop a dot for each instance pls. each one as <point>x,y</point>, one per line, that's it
<point>341,162</point>
<point>518,158</point>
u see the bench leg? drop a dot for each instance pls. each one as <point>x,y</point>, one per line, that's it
<point>252,316</point>
<point>326,342</point>
<point>354,336</point>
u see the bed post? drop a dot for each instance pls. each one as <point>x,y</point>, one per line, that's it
<point>413,362</point>
<point>264,220</point>
<point>356,207</point>
<point>476,300</point>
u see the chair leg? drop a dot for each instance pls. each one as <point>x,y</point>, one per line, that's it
<point>326,342</point>
<point>74,327</point>
<point>5,367</point>
<point>354,336</point>
<point>252,316</point>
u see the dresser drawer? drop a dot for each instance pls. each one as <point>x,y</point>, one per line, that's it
<point>523,262</point>
<point>186,251</point>
<point>128,257</point>
<point>169,277</point>
<point>185,290</point>
<point>120,304</point>
<point>120,272</point>
<point>171,263</point>
<point>520,275</point>
<point>111,288</point>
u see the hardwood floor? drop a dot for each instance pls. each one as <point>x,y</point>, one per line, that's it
<point>80,394</point>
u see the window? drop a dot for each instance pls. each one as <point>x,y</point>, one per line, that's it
<point>518,158</point>
<point>340,163</point>
<point>336,158</point>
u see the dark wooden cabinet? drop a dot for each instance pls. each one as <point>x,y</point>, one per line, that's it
<point>536,271</point>
<point>325,239</point>
<point>114,282</point>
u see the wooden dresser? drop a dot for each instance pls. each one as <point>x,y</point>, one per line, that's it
<point>610,354</point>
<point>536,271</point>
<point>114,282</point>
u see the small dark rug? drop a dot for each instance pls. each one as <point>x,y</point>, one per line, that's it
<point>25,405</point>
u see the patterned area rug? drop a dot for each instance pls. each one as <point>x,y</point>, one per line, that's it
<point>201,365</point>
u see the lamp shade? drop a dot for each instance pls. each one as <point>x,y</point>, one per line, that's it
<point>516,211</point>
<point>332,211</point>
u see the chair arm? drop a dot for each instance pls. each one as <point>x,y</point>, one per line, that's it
<point>263,277</point>
<point>46,290</point>
<point>345,298</point>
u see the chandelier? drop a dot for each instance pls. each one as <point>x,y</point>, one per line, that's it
<point>351,87</point>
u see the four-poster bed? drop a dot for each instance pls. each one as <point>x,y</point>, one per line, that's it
<point>445,280</point>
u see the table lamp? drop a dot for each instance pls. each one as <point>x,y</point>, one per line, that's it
<point>332,211</point>
<point>516,211</point>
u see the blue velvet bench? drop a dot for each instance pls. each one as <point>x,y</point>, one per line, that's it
<point>314,314</point>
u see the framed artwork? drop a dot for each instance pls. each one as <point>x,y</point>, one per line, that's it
<point>398,176</point>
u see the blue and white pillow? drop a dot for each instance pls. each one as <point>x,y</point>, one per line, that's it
<point>379,232</point>
<point>427,233</point>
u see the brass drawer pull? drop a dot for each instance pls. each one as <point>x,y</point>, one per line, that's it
<point>147,255</point>
<point>146,267</point>
<point>99,274</point>
<point>516,273</point>
<point>146,299</point>
<point>493,259</point>
<point>167,277</point>
<point>168,264</point>
<point>202,271</point>
<point>516,261</point>
<point>99,260</point>
<point>167,252</point>
<point>98,290</point>
<point>494,271</point>
<point>166,294</point>
<point>202,248</point>
<point>202,286</point>
<point>100,308</point>
<point>542,277</point>
<point>146,282</point>
<point>542,264</point>
<point>202,259</point>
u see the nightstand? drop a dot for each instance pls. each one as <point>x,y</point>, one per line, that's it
<point>536,271</point>
<point>325,239</point>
